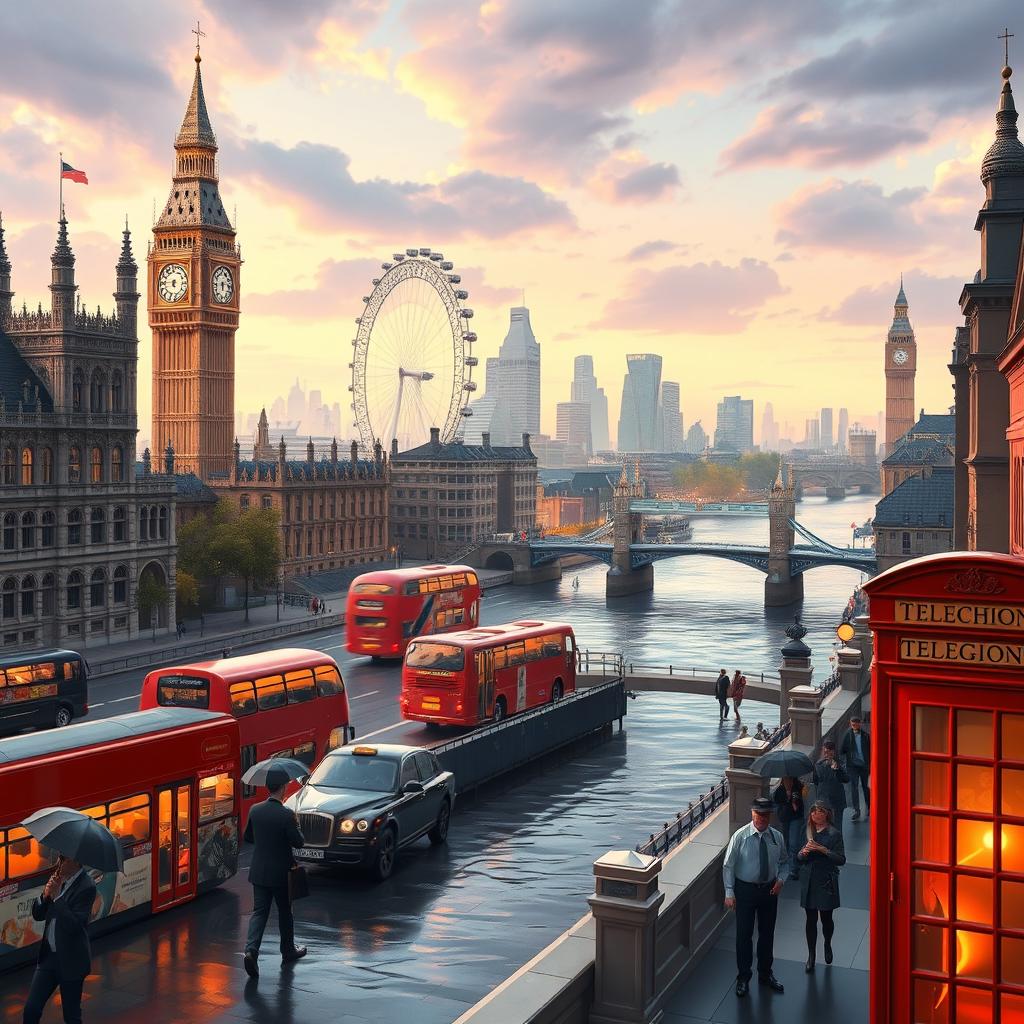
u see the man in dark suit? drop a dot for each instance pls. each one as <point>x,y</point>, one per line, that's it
<point>273,829</point>
<point>65,958</point>
<point>830,778</point>
<point>722,694</point>
<point>856,749</point>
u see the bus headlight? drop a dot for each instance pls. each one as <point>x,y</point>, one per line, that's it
<point>362,825</point>
<point>346,826</point>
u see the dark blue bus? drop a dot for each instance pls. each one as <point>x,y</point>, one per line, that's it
<point>43,689</point>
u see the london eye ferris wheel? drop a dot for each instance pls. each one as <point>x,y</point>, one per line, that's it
<point>412,362</point>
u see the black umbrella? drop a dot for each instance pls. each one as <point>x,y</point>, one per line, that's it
<point>77,836</point>
<point>778,763</point>
<point>287,769</point>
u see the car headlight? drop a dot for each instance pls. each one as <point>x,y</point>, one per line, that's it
<point>362,825</point>
<point>346,826</point>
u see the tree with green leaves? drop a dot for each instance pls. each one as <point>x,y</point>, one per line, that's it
<point>150,596</point>
<point>186,591</point>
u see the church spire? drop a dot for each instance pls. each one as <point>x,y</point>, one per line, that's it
<point>1005,157</point>
<point>62,275</point>
<point>126,264</point>
<point>5,276</point>
<point>901,298</point>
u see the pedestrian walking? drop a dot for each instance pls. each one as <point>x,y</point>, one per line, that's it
<point>274,831</point>
<point>722,694</point>
<point>820,858</point>
<point>65,957</point>
<point>830,780</point>
<point>789,808</point>
<point>856,749</point>
<point>737,689</point>
<point>755,865</point>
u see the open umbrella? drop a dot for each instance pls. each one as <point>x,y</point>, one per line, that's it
<point>287,769</point>
<point>778,763</point>
<point>77,836</point>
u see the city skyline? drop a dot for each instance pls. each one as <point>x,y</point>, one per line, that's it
<point>678,253</point>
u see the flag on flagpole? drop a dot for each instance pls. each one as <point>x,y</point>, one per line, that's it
<point>69,172</point>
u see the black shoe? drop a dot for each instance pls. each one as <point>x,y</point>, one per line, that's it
<point>773,983</point>
<point>809,966</point>
<point>828,952</point>
<point>855,816</point>
<point>742,987</point>
<point>251,967</point>
<point>296,954</point>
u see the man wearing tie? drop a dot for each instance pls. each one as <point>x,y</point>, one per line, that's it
<point>755,865</point>
<point>856,748</point>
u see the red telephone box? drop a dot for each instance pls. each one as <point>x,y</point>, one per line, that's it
<point>947,828</point>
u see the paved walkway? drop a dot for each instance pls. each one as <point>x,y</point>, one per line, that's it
<point>835,994</point>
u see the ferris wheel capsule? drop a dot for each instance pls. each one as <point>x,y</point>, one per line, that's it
<point>436,256</point>
<point>398,256</point>
<point>466,314</point>
<point>455,278</point>
<point>447,265</point>
<point>469,336</point>
<point>425,251</point>
<point>412,252</point>
<point>386,266</point>
<point>461,293</point>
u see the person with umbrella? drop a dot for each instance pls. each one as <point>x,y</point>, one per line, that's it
<point>274,830</point>
<point>787,766</point>
<point>65,906</point>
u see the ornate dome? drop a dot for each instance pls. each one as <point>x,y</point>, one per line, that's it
<point>1006,155</point>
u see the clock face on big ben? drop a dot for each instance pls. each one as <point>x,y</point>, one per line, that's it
<point>900,356</point>
<point>172,283</point>
<point>222,285</point>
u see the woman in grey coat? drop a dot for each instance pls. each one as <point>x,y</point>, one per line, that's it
<point>820,860</point>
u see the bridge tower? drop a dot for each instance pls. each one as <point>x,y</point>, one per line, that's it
<point>780,587</point>
<point>622,578</point>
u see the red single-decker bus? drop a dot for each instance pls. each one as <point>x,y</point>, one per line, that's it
<point>386,609</point>
<point>488,672</point>
<point>289,703</point>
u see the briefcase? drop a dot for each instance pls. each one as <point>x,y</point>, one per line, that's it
<point>298,883</point>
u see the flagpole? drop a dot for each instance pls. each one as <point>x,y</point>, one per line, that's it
<point>60,186</point>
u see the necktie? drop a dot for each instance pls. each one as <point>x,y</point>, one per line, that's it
<point>764,859</point>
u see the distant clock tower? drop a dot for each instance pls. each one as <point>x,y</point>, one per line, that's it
<point>193,296</point>
<point>900,369</point>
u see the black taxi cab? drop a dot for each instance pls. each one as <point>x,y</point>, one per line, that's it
<point>362,804</point>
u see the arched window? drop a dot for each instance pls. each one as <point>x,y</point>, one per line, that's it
<point>116,391</point>
<point>163,522</point>
<point>77,380</point>
<point>143,523</point>
<point>49,530</point>
<point>74,465</point>
<point>117,464</point>
<point>28,530</point>
<point>26,467</point>
<point>10,531</point>
<point>47,466</point>
<point>7,598</point>
<point>97,589</point>
<point>96,465</point>
<point>243,503</point>
<point>47,594</point>
<point>74,590</point>
<point>97,391</point>
<point>153,521</point>
<point>28,596</point>
<point>120,523</point>
<point>120,585</point>
<point>97,526</point>
<point>75,526</point>
<point>10,468</point>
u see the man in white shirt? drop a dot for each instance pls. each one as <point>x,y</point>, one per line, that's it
<point>755,865</point>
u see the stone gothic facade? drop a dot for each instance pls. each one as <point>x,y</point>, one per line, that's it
<point>78,532</point>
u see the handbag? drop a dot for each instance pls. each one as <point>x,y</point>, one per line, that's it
<point>298,883</point>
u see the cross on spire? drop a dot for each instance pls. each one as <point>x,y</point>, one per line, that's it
<point>198,33</point>
<point>1006,37</point>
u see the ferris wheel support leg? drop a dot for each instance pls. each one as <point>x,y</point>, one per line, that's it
<point>393,433</point>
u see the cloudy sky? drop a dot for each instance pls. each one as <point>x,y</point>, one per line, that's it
<point>734,184</point>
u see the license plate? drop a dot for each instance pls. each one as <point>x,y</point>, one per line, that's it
<point>431,703</point>
<point>310,854</point>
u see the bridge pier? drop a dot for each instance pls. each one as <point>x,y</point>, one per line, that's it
<point>632,581</point>
<point>780,590</point>
<point>835,492</point>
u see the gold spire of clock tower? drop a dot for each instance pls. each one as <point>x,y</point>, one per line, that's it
<point>193,301</point>
<point>900,370</point>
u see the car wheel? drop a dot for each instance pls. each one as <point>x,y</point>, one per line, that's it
<point>500,711</point>
<point>385,862</point>
<point>556,691</point>
<point>439,833</point>
<point>62,717</point>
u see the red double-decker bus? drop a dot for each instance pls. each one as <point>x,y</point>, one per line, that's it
<point>386,609</point>
<point>488,672</point>
<point>165,782</point>
<point>290,703</point>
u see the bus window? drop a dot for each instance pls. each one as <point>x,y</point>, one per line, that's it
<point>183,692</point>
<point>184,835</point>
<point>336,739</point>
<point>411,588</point>
<point>458,579</point>
<point>568,642</point>
<point>44,672</point>
<point>433,585</point>
<point>471,579</point>
<point>299,685</point>
<point>270,693</point>
<point>500,657</point>
<point>243,699</point>
<point>373,621</point>
<point>534,648</point>
<point>166,842</point>
<point>442,657</point>
<point>304,752</point>
<point>24,855</point>
<point>20,676</point>
<point>216,796</point>
<point>517,653</point>
<point>445,582</point>
<point>129,818</point>
<point>552,645</point>
<point>376,588</point>
<point>328,681</point>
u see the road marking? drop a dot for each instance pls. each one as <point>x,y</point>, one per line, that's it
<point>336,647</point>
<point>362,695</point>
<point>387,728</point>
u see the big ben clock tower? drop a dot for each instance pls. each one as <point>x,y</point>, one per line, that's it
<point>900,369</point>
<point>193,291</point>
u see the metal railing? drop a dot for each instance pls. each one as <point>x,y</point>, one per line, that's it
<point>831,684</point>
<point>613,662</point>
<point>673,833</point>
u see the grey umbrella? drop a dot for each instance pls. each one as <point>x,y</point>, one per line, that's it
<point>778,763</point>
<point>77,836</point>
<point>288,768</point>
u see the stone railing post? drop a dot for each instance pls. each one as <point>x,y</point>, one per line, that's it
<point>795,669</point>
<point>744,785</point>
<point>805,714</point>
<point>862,639</point>
<point>849,668</point>
<point>625,908</point>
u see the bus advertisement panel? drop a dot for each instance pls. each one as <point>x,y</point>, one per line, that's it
<point>385,610</point>
<point>290,703</point>
<point>488,672</point>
